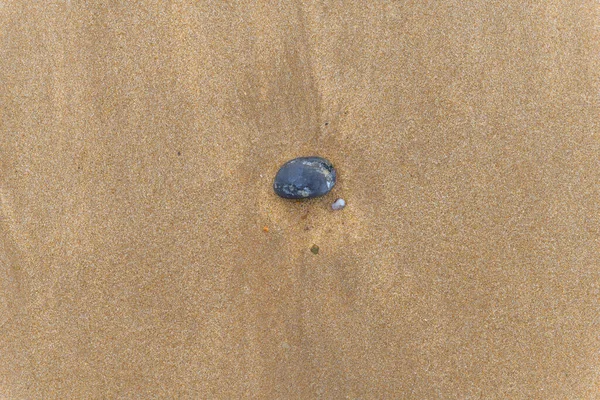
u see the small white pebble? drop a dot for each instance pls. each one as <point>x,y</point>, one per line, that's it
<point>338,204</point>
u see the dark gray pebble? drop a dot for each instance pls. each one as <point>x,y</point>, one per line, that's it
<point>304,178</point>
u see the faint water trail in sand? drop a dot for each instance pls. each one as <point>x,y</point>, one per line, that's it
<point>9,250</point>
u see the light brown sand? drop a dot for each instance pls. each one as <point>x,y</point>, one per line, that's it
<point>138,146</point>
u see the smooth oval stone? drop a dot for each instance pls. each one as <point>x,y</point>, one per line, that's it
<point>304,178</point>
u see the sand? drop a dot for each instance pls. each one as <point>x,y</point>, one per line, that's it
<point>143,253</point>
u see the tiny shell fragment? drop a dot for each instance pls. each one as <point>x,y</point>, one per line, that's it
<point>338,204</point>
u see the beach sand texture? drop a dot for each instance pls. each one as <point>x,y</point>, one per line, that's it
<point>143,253</point>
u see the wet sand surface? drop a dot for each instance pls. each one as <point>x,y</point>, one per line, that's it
<point>143,253</point>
